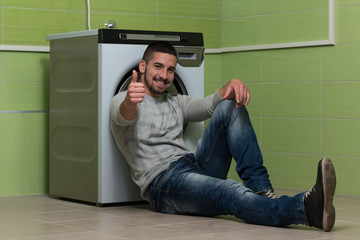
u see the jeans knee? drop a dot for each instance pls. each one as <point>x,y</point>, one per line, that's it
<point>228,108</point>
<point>226,105</point>
<point>224,108</point>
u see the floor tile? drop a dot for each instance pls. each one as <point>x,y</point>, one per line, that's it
<point>41,217</point>
<point>34,230</point>
<point>76,236</point>
<point>107,223</point>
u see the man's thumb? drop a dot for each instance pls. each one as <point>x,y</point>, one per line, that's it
<point>134,76</point>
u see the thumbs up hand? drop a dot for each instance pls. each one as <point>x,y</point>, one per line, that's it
<point>135,92</point>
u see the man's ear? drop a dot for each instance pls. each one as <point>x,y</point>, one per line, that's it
<point>142,66</point>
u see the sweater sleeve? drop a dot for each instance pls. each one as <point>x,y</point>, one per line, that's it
<point>196,110</point>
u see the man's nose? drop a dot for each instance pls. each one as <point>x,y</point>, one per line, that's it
<point>163,74</point>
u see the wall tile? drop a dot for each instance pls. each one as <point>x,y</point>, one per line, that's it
<point>276,6</point>
<point>341,137</point>
<point>341,63</point>
<point>292,100</point>
<point>25,96</point>
<point>342,3</point>
<point>31,26</point>
<point>74,5</point>
<point>291,135</point>
<point>26,67</point>
<point>124,21</point>
<point>213,68</point>
<point>293,171</point>
<point>1,81</point>
<point>325,24</point>
<point>190,8</point>
<point>284,21</point>
<point>1,29</point>
<point>209,27</point>
<point>245,66</point>
<point>210,88</point>
<point>347,19</point>
<point>238,8</point>
<point>1,97</point>
<point>341,100</point>
<point>36,145</point>
<point>11,158</point>
<point>125,6</point>
<point>326,3</point>
<point>347,172</point>
<point>292,65</point>
<point>241,31</point>
<point>255,105</point>
<point>292,27</point>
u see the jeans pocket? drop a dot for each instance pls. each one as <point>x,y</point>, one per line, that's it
<point>159,179</point>
<point>157,193</point>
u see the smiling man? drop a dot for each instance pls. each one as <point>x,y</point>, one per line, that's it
<point>147,124</point>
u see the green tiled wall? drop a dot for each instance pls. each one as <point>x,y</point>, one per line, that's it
<point>304,101</point>
<point>23,123</point>
<point>273,21</point>
<point>28,22</point>
<point>11,164</point>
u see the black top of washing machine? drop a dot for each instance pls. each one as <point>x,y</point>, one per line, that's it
<point>120,36</point>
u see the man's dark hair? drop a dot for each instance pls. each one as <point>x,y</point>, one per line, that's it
<point>159,46</point>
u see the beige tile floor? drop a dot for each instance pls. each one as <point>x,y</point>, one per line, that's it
<point>41,217</point>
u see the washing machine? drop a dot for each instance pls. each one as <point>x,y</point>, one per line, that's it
<point>87,69</point>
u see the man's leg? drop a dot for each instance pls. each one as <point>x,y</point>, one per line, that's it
<point>230,134</point>
<point>185,189</point>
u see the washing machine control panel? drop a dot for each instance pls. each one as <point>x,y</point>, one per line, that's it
<point>144,37</point>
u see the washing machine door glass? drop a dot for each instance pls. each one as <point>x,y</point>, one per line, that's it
<point>178,86</point>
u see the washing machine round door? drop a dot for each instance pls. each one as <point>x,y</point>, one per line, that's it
<point>178,86</point>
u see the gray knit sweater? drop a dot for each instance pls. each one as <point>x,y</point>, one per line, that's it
<point>155,138</point>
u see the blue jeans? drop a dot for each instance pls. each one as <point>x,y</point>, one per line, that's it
<point>196,183</point>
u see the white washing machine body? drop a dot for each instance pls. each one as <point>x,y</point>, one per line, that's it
<point>85,163</point>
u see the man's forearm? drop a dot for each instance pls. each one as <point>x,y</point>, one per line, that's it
<point>129,111</point>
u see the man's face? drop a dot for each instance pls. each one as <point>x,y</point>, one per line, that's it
<point>158,73</point>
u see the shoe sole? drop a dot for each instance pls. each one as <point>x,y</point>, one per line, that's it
<point>329,185</point>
